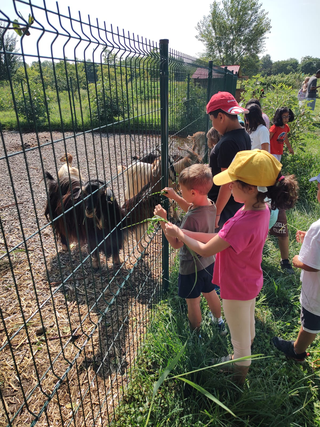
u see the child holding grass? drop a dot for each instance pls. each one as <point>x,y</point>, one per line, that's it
<point>309,262</point>
<point>252,176</point>
<point>195,182</point>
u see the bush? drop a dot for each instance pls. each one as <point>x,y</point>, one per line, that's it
<point>189,111</point>
<point>304,166</point>
<point>276,95</point>
<point>106,105</point>
<point>31,105</point>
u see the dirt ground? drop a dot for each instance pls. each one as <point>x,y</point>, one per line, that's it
<point>68,335</point>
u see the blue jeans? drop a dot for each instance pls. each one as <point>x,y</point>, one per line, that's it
<point>311,103</point>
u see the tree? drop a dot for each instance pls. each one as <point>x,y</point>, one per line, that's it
<point>9,61</point>
<point>250,65</point>
<point>309,65</point>
<point>234,29</point>
<point>266,65</point>
<point>287,66</point>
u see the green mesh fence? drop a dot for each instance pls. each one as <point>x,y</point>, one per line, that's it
<point>93,123</point>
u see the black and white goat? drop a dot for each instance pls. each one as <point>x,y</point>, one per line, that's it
<point>88,214</point>
<point>91,214</point>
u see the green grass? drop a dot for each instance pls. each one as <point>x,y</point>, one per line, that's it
<point>277,392</point>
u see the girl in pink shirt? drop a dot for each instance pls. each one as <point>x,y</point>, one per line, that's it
<point>252,176</point>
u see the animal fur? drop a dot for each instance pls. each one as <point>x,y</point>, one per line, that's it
<point>141,175</point>
<point>67,168</point>
<point>91,214</point>
<point>88,214</point>
<point>198,140</point>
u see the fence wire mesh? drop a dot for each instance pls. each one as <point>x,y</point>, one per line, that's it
<point>82,138</point>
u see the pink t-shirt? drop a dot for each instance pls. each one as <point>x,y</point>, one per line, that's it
<point>237,269</point>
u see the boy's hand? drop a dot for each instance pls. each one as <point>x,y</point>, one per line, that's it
<point>300,236</point>
<point>158,210</point>
<point>291,150</point>
<point>172,230</point>
<point>169,192</point>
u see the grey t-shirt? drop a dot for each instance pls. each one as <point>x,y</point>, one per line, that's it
<point>201,219</point>
<point>312,82</point>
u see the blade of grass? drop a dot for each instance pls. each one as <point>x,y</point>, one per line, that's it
<point>163,376</point>
<point>253,356</point>
<point>208,395</point>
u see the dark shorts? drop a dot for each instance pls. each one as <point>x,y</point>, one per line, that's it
<point>187,287</point>
<point>280,228</point>
<point>310,322</point>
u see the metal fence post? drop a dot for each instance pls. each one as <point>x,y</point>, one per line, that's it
<point>188,97</point>
<point>205,158</point>
<point>164,80</point>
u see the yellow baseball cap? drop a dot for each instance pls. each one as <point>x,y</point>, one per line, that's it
<point>254,167</point>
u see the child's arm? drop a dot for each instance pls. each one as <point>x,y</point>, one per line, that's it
<point>298,264</point>
<point>198,235</point>
<point>174,242</point>
<point>288,145</point>
<point>222,199</point>
<point>171,194</point>
<point>215,245</point>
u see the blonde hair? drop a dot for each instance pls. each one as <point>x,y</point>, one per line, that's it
<point>213,136</point>
<point>197,177</point>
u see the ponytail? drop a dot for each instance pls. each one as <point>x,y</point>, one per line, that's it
<point>284,193</point>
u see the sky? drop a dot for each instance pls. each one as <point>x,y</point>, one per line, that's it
<point>293,33</point>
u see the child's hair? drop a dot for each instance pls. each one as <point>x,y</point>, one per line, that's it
<point>197,177</point>
<point>254,118</point>
<point>277,119</point>
<point>283,194</point>
<point>213,136</point>
<point>215,113</point>
<point>253,101</point>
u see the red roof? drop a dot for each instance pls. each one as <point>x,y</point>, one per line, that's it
<point>202,73</point>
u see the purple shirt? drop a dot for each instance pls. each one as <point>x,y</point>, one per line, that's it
<point>237,269</point>
<point>266,119</point>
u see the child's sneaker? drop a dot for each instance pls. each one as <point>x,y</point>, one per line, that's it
<point>287,347</point>
<point>222,328</point>
<point>220,324</point>
<point>286,266</point>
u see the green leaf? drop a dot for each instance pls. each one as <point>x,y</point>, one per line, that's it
<point>30,19</point>
<point>208,395</point>
<point>17,28</point>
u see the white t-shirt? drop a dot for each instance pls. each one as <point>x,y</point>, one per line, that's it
<point>260,136</point>
<point>310,255</point>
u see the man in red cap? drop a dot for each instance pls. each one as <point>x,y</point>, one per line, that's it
<point>223,111</point>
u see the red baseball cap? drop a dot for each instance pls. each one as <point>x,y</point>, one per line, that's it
<point>226,102</point>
